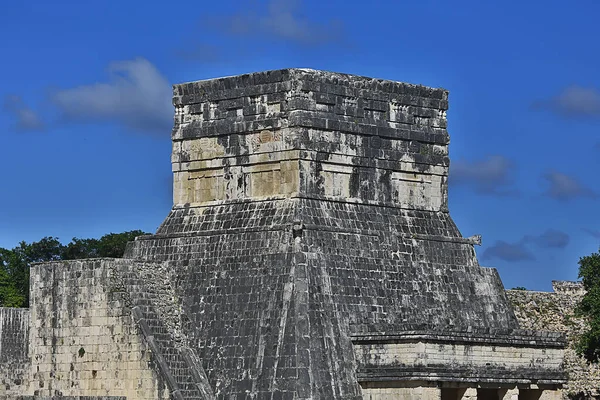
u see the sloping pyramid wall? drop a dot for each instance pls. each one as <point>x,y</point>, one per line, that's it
<point>273,302</point>
<point>302,210</point>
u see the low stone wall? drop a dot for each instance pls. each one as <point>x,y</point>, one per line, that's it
<point>62,398</point>
<point>14,360</point>
<point>83,339</point>
<point>554,311</point>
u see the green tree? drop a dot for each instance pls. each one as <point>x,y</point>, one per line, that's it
<point>47,249</point>
<point>113,244</point>
<point>21,257</point>
<point>12,277</point>
<point>15,263</point>
<point>588,344</point>
<point>78,249</point>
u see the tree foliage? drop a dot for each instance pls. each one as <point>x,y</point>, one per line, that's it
<point>113,244</point>
<point>12,279</point>
<point>15,263</point>
<point>589,342</point>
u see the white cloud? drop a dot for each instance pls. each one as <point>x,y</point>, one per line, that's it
<point>510,252</point>
<point>563,187</point>
<point>574,100</point>
<point>492,175</point>
<point>25,118</point>
<point>282,20</point>
<point>136,94</point>
<point>519,251</point>
<point>552,238</point>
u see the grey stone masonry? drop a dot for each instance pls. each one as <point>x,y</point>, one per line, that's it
<point>309,205</point>
<point>473,355</point>
<point>309,254</point>
<point>156,309</point>
<point>312,99</point>
<point>555,311</point>
<point>63,398</point>
<point>14,350</point>
<point>313,133</point>
<point>128,338</point>
<point>84,340</point>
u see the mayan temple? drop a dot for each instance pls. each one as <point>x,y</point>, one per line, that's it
<point>309,254</point>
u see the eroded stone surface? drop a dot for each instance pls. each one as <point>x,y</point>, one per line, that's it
<point>14,346</point>
<point>311,133</point>
<point>83,339</point>
<point>554,311</point>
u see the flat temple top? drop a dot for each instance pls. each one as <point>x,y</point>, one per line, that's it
<point>354,85</point>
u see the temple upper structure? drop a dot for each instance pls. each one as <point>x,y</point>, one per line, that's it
<point>306,133</point>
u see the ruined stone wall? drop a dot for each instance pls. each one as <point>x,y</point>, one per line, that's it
<point>554,311</point>
<point>19,397</point>
<point>83,340</point>
<point>14,360</point>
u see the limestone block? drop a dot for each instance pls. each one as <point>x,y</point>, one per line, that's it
<point>394,393</point>
<point>469,394</point>
<point>554,311</point>
<point>80,356</point>
<point>551,395</point>
<point>510,394</point>
<point>423,353</point>
<point>368,133</point>
<point>14,348</point>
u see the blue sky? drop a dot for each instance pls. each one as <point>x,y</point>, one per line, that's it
<point>85,108</point>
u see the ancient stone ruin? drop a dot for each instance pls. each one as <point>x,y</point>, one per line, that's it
<point>555,311</point>
<point>309,254</point>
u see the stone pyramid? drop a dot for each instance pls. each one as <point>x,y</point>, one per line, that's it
<point>310,213</point>
<point>309,254</point>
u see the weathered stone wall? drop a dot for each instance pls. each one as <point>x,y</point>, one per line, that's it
<point>413,391</point>
<point>423,391</point>
<point>310,133</point>
<point>14,357</point>
<point>461,357</point>
<point>554,311</point>
<point>157,309</point>
<point>83,340</point>
<point>252,303</point>
<point>62,398</point>
<point>305,202</point>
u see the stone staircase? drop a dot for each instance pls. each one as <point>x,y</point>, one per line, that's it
<point>146,288</point>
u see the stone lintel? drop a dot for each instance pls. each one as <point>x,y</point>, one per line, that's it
<point>459,358</point>
<point>518,338</point>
